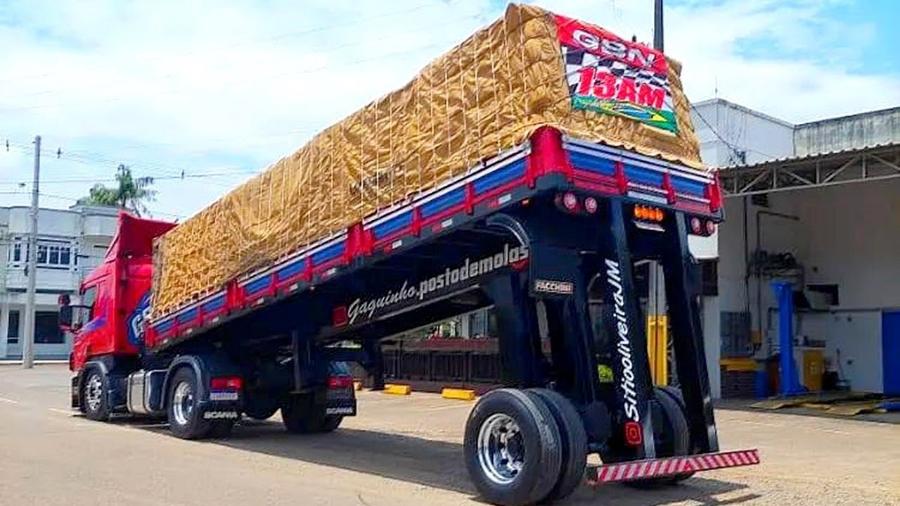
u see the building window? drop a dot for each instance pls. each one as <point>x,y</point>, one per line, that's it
<point>46,328</point>
<point>54,255</point>
<point>17,252</point>
<point>12,331</point>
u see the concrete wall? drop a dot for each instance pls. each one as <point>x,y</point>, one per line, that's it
<point>846,235</point>
<point>848,132</point>
<point>724,127</point>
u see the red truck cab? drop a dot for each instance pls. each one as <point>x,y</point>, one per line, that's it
<point>115,295</point>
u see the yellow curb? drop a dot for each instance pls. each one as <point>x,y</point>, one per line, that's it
<point>397,389</point>
<point>458,393</point>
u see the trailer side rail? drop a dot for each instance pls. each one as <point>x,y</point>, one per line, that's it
<point>516,174</point>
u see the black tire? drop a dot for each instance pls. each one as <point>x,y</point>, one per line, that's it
<point>95,395</point>
<point>301,415</point>
<point>537,440</point>
<point>672,436</point>
<point>186,421</point>
<point>331,423</point>
<point>676,394</point>
<point>221,429</point>
<point>260,406</point>
<point>574,442</point>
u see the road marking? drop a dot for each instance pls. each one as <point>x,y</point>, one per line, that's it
<point>8,400</point>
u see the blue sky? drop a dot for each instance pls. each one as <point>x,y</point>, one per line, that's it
<point>219,90</point>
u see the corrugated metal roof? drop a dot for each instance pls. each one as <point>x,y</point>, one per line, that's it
<point>813,156</point>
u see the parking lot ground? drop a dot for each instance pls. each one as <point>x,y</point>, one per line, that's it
<point>399,451</point>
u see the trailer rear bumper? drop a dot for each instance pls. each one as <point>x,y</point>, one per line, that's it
<point>672,466</point>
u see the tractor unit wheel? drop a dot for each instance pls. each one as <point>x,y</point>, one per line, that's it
<point>95,395</point>
<point>512,448</point>
<point>301,415</point>
<point>185,419</point>
<point>260,406</point>
<point>574,441</point>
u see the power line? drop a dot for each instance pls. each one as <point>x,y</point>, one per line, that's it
<point>282,35</point>
<point>112,180</point>
<point>71,199</point>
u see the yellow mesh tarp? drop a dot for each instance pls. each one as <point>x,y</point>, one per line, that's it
<point>486,95</point>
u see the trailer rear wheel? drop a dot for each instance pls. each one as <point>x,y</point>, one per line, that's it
<point>671,435</point>
<point>95,395</point>
<point>678,397</point>
<point>574,442</point>
<point>512,448</point>
<point>185,419</point>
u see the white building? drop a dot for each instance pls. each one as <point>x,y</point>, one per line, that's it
<point>70,244</point>
<point>827,194</point>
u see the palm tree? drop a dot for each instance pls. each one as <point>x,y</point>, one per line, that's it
<point>131,193</point>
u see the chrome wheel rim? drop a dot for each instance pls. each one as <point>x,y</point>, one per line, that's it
<point>93,392</point>
<point>183,403</point>
<point>501,449</point>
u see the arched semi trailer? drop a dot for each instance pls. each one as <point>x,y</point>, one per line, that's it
<point>529,233</point>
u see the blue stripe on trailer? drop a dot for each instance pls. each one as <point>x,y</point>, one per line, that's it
<point>292,269</point>
<point>644,176</point>
<point>257,284</point>
<point>165,326</point>
<point>444,202</point>
<point>329,253</point>
<point>187,316</point>
<point>689,186</point>
<point>590,163</point>
<point>392,225</point>
<point>214,304</point>
<point>499,177</point>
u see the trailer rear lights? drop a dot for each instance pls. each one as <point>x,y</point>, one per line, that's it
<point>591,205</point>
<point>696,226</point>
<point>339,382</point>
<point>647,213</point>
<point>570,201</point>
<point>226,383</point>
<point>634,434</point>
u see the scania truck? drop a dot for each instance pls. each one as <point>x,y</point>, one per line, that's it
<point>547,233</point>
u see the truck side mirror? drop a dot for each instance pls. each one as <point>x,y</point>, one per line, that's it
<point>65,317</point>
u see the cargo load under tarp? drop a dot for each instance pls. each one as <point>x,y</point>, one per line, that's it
<point>529,69</point>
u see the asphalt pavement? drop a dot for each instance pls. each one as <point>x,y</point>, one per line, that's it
<point>399,451</point>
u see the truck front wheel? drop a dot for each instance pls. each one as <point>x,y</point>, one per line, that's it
<point>185,420</point>
<point>95,396</point>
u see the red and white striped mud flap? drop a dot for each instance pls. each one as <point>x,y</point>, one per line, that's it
<point>671,466</point>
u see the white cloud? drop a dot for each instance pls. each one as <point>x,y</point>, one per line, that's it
<point>171,85</point>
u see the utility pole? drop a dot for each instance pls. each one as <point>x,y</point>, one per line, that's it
<point>28,344</point>
<point>658,24</point>
<point>657,309</point>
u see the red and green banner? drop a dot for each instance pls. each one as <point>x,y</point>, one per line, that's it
<point>611,75</point>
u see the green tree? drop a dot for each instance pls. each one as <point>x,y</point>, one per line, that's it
<point>131,193</point>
